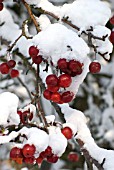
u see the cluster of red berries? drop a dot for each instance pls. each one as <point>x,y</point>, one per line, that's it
<point>26,155</point>
<point>8,68</point>
<point>54,83</point>
<point>1,5</point>
<point>34,53</point>
<point>95,67</point>
<point>25,116</point>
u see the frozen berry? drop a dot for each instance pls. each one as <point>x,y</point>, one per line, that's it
<point>67,97</point>
<point>67,132</point>
<point>52,159</point>
<point>1,6</point>
<point>112,20</point>
<point>53,88</point>
<point>33,51</point>
<point>37,59</point>
<point>14,73</point>
<point>30,160</point>
<point>112,37</point>
<point>73,157</point>
<point>16,153</point>
<point>52,80</point>
<point>65,80</point>
<point>56,97</point>
<point>75,66</point>
<point>39,160</point>
<point>11,63</point>
<point>47,94</point>
<point>62,64</point>
<point>28,150</point>
<point>95,67</point>
<point>4,68</point>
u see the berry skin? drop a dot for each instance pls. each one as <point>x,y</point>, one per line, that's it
<point>19,112</point>
<point>1,6</point>
<point>39,160</point>
<point>52,159</point>
<point>95,67</point>
<point>14,73</point>
<point>16,153</point>
<point>11,63</point>
<point>4,68</point>
<point>112,37</point>
<point>30,160</point>
<point>28,150</point>
<point>62,64</point>
<point>56,97</point>
<point>1,1</point>
<point>67,97</point>
<point>75,66</point>
<point>37,59</point>
<point>52,80</point>
<point>53,88</point>
<point>47,152</point>
<point>67,132</point>
<point>65,80</point>
<point>73,157</point>
<point>33,51</point>
<point>112,20</point>
<point>47,94</point>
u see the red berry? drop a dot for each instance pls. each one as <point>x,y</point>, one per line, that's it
<point>11,63</point>
<point>1,6</point>
<point>48,151</point>
<point>65,80</point>
<point>31,160</point>
<point>52,80</point>
<point>1,1</point>
<point>67,132</point>
<point>25,116</point>
<point>47,94</point>
<point>56,97</point>
<point>73,157</point>
<point>75,66</point>
<point>112,37</point>
<point>4,68</point>
<point>53,88</point>
<point>37,59</point>
<point>112,20</point>
<point>62,64</point>
<point>14,73</point>
<point>33,51</point>
<point>28,150</point>
<point>39,160</point>
<point>52,159</point>
<point>16,153</point>
<point>95,67</point>
<point>67,97</point>
<point>19,112</point>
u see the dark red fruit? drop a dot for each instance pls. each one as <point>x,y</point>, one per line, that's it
<point>11,63</point>
<point>16,153</point>
<point>73,157</point>
<point>67,97</point>
<point>56,97</point>
<point>52,159</point>
<point>67,132</point>
<point>28,150</point>
<point>14,73</point>
<point>47,94</point>
<point>1,1</point>
<point>31,160</point>
<point>33,51</point>
<point>4,68</point>
<point>1,6</point>
<point>52,80</point>
<point>94,67</point>
<point>112,37</point>
<point>37,59</point>
<point>48,151</point>
<point>53,88</point>
<point>19,112</point>
<point>62,64</point>
<point>65,80</point>
<point>75,66</point>
<point>39,160</point>
<point>112,20</point>
<point>25,116</point>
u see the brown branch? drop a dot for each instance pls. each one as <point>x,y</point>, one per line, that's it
<point>31,16</point>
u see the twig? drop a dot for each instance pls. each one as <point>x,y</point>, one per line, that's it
<point>24,85</point>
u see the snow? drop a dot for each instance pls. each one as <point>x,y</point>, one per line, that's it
<point>8,109</point>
